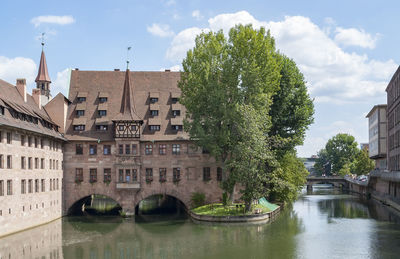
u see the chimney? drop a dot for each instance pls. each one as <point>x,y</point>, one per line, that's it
<point>167,70</point>
<point>116,69</point>
<point>21,87</point>
<point>36,97</point>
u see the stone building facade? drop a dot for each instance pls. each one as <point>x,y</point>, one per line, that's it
<point>31,156</point>
<point>126,140</point>
<point>377,147</point>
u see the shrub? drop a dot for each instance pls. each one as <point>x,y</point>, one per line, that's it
<point>198,199</point>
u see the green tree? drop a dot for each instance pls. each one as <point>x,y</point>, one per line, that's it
<point>322,162</point>
<point>341,149</point>
<point>362,163</point>
<point>292,108</point>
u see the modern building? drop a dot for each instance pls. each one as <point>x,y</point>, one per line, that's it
<point>31,154</point>
<point>377,147</point>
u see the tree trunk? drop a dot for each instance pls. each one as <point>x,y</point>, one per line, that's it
<point>231,194</point>
<point>247,205</point>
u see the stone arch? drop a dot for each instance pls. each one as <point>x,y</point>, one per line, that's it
<point>173,193</point>
<point>70,204</point>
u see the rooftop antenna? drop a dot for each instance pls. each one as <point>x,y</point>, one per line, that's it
<point>42,40</point>
<point>127,57</point>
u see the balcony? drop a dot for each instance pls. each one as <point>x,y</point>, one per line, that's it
<point>128,186</point>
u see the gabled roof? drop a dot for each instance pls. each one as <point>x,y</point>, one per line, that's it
<point>43,74</point>
<point>127,111</point>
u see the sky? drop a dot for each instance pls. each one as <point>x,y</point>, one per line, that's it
<point>347,50</point>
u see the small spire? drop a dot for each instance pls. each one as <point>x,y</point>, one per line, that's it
<point>127,57</point>
<point>42,40</point>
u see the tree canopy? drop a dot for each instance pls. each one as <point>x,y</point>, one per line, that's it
<point>246,104</point>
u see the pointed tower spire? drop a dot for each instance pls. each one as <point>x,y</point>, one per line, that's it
<point>43,79</point>
<point>128,109</point>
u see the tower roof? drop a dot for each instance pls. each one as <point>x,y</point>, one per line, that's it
<point>128,109</point>
<point>43,74</point>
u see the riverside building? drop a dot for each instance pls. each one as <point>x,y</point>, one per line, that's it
<point>31,155</point>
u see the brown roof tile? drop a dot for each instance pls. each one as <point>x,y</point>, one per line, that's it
<point>43,74</point>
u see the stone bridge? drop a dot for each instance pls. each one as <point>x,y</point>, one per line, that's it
<point>336,181</point>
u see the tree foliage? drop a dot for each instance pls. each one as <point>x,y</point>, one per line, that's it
<point>246,104</point>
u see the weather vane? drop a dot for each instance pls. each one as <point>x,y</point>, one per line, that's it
<point>42,40</point>
<point>127,57</point>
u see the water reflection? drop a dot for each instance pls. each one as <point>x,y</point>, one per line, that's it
<point>321,224</point>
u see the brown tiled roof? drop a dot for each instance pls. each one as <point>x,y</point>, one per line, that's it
<point>12,100</point>
<point>43,74</point>
<point>177,121</point>
<point>96,82</point>
<point>154,107</point>
<point>176,107</point>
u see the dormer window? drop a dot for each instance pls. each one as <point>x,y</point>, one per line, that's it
<point>121,127</point>
<point>174,100</point>
<point>133,127</point>
<point>1,110</point>
<point>154,127</point>
<point>101,127</point>
<point>79,127</point>
<point>154,113</point>
<point>177,127</point>
<point>81,99</point>
<point>80,113</point>
<point>153,100</point>
<point>176,113</point>
<point>103,99</point>
<point>102,113</point>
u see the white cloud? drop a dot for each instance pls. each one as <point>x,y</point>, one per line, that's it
<point>61,84</point>
<point>170,2</point>
<point>160,30</point>
<point>60,20</point>
<point>19,67</point>
<point>182,42</point>
<point>174,68</point>
<point>197,15</point>
<point>355,37</point>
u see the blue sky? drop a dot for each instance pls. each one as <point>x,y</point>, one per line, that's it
<point>346,49</point>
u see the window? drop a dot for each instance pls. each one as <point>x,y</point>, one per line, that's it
<point>174,100</point>
<point>163,174</point>
<point>79,149</point>
<point>1,110</point>
<point>121,149</point>
<point>42,163</point>
<point>36,163</point>
<point>81,99</point>
<point>80,113</point>
<point>23,186</point>
<point>127,175</point>
<point>101,127</point>
<point>23,162</point>
<point>103,99</point>
<point>102,113</point>
<point>37,185</point>
<point>1,161</point>
<point>134,175</point>
<point>36,142</point>
<point>154,127</point>
<point>9,187</point>
<point>121,127</point>
<point>177,127</point>
<point>133,127</point>
<point>154,112</point>
<point>43,185</point>
<point>92,149</point>
<point>107,175</point>
<point>127,149</point>
<point>78,175</point>
<point>1,188</point>
<point>51,184</point>
<point>176,174</point>
<point>57,185</point>
<point>149,174</point>
<point>205,151</point>
<point>29,162</point>
<point>219,174</point>
<point>29,141</point>
<point>134,149</point>
<point>30,186</point>
<point>153,100</point>
<point>176,149</point>
<point>9,161</point>
<point>206,174</point>
<point>149,149</point>
<point>176,113</point>
<point>22,140</point>
<point>41,143</point>
<point>93,175</point>
<point>51,164</point>
<point>121,175</point>
<point>79,127</point>
<point>9,137</point>
<point>107,149</point>
<point>162,149</point>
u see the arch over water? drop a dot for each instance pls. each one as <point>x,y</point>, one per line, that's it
<point>160,203</point>
<point>98,203</point>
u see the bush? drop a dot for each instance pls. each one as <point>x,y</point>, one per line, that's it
<point>198,199</point>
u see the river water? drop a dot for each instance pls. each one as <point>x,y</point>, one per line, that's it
<point>321,224</point>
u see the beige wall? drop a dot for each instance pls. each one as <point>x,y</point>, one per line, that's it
<point>20,211</point>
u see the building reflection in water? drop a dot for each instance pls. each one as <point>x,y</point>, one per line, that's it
<point>41,242</point>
